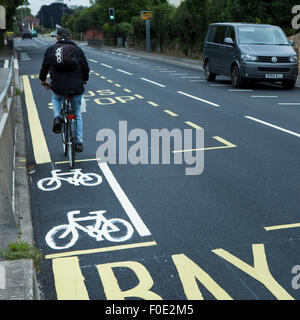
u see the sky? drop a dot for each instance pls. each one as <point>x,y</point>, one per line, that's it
<point>35,5</point>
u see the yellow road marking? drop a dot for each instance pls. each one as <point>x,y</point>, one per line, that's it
<point>98,250</point>
<point>102,77</point>
<point>190,123</point>
<point>227,145</point>
<point>69,281</point>
<point>283,226</point>
<point>153,103</point>
<point>40,148</point>
<point>138,96</point>
<point>171,113</point>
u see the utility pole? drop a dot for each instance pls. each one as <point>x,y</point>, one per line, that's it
<point>146,15</point>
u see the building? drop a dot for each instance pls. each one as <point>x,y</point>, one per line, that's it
<point>30,22</point>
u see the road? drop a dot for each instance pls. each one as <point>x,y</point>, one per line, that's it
<point>231,231</point>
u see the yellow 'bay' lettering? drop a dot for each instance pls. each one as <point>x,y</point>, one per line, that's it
<point>105,92</point>
<point>189,272</point>
<point>124,99</point>
<point>260,271</point>
<point>111,286</point>
<point>105,101</point>
<point>69,281</point>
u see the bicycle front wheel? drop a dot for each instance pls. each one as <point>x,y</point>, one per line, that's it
<point>117,230</point>
<point>71,142</point>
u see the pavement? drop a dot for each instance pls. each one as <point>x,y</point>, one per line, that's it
<point>18,277</point>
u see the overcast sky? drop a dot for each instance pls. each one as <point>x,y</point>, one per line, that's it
<point>35,5</point>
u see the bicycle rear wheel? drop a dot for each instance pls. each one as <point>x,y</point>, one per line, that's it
<point>64,135</point>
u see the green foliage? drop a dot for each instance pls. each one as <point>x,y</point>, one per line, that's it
<point>125,29</point>
<point>184,26</point>
<point>22,250</point>
<point>11,7</point>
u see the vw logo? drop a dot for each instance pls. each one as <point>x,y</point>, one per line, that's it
<point>274,60</point>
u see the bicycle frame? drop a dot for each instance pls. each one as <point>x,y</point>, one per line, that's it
<point>93,230</point>
<point>69,127</point>
<point>74,179</point>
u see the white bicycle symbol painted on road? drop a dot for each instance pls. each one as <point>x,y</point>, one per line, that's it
<point>75,177</point>
<point>65,236</point>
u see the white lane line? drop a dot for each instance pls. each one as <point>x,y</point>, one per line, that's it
<point>219,85</point>
<point>120,70</point>
<point>179,74</point>
<point>240,90</point>
<point>274,126</point>
<point>93,60</point>
<point>157,84</point>
<point>191,77</point>
<point>6,64</point>
<point>198,80</point>
<point>16,64</point>
<point>264,96</point>
<point>289,103</point>
<point>42,42</point>
<point>106,65</point>
<point>124,201</point>
<point>199,99</point>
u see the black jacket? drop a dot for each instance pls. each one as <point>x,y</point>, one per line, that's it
<point>63,82</point>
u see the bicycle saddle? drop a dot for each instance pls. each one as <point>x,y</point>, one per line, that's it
<point>70,94</point>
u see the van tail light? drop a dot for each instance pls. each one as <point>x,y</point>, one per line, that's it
<point>72,116</point>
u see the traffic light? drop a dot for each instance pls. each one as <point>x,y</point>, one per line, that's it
<point>111,13</point>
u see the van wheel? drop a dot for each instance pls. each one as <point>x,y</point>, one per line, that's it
<point>209,76</point>
<point>288,84</point>
<point>236,80</point>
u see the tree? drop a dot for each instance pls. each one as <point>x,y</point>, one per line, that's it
<point>161,20</point>
<point>51,15</point>
<point>10,7</point>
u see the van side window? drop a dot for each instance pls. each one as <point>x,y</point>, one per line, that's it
<point>211,34</point>
<point>231,33</point>
<point>220,34</point>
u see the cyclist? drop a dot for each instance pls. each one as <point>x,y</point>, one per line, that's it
<point>69,71</point>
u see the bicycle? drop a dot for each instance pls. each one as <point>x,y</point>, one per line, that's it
<point>65,236</point>
<point>69,128</point>
<point>75,177</point>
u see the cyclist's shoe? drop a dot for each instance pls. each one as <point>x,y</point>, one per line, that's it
<point>57,125</point>
<point>79,147</point>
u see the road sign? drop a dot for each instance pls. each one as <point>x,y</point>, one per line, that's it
<point>145,15</point>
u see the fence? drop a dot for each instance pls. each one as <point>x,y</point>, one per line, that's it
<point>7,147</point>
